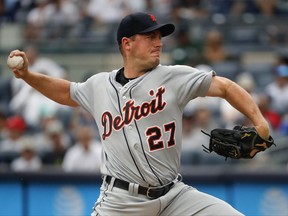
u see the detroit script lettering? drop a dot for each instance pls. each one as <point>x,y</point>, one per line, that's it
<point>132,112</point>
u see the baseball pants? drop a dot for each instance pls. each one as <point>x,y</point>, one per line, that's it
<point>180,200</point>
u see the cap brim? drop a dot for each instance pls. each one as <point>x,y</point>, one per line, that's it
<point>165,29</point>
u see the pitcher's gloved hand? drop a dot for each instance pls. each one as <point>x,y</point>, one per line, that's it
<point>239,142</point>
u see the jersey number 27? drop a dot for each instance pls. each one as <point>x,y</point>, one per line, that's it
<point>154,134</point>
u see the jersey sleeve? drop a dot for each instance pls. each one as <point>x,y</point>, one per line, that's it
<point>190,82</point>
<point>82,93</point>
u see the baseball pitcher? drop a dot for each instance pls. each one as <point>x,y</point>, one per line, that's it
<point>138,109</point>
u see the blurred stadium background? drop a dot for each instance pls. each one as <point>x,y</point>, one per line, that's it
<point>42,169</point>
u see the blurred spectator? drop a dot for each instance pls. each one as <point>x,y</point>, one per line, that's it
<point>161,8</point>
<point>10,146</point>
<point>63,15</point>
<point>82,117</point>
<point>238,8</point>
<point>28,159</point>
<point>36,21</point>
<point>85,155</point>
<point>8,10</point>
<point>83,29</point>
<point>214,50</point>
<point>219,6</point>
<point>189,9</point>
<point>276,34</point>
<point>193,139</point>
<point>133,6</point>
<point>3,132</point>
<point>189,155</point>
<point>15,126</point>
<point>188,123</point>
<point>114,9</point>
<point>282,6</point>
<point>278,90</point>
<point>106,14</point>
<point>5,93</point>
<point>282,60</point>
<point>204,119</point>
<point>52,144</point>
<point>22,8</point>
<point>2,10</point>
<point>52,19</point>
<point>264,103</point>
<point>25,98</point>
<point>283,128</point>
<point>187,50</point>
<point>98,24</point>
<point>39,63</point>
<point>267,7</point>
<point>242,7</point>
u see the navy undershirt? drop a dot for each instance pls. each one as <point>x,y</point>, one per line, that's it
<point>121,78</point>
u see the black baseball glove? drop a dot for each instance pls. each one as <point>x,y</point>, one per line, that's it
<point>240,142</point>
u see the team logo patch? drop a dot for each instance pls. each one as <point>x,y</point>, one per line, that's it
<point>153,18</point>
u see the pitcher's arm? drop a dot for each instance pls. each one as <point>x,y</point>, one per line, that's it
<point>56,89</point>
<point>241,100</point>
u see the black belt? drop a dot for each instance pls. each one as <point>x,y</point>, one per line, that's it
<point>150,192</point>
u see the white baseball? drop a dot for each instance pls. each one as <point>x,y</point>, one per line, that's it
<point>15,62</point>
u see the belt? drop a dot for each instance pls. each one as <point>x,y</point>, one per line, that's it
<point>150,192</point>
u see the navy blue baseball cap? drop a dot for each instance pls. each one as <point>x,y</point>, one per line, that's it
<point>137,23</point>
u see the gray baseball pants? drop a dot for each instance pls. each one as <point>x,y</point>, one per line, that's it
<point>180,200</point>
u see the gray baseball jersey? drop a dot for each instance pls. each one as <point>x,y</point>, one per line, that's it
<point>141,122</point>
